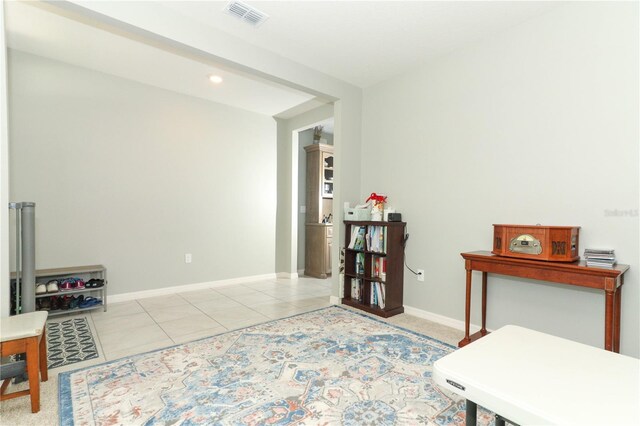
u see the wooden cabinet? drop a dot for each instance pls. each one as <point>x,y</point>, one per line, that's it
<point>317,254</point>
<point>319,182</point>
<point>319,201</point>
<point>374,266</point>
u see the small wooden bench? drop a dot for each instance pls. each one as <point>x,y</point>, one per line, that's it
<point>26,333</point>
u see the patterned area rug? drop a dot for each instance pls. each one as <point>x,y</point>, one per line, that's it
<point>326,367</point>
<point>69,341</point>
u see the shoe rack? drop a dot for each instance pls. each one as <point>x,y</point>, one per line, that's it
<point>83,272</point>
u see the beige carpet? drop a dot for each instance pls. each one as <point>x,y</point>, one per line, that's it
<point>17,411</point>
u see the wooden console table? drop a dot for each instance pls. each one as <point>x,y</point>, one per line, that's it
<point>576,273</point>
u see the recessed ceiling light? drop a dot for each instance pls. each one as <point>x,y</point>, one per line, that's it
<point>215,79</point>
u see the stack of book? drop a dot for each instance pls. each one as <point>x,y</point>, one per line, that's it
<point>599,258</point>
<point>376,239</point>
<point>357,241</point>
<point>377,294</point>
<point>357,289</point>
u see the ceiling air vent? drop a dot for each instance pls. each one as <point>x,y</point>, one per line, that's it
<point>247,13</point>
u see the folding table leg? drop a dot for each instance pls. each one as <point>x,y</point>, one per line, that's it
<point>472,413</point>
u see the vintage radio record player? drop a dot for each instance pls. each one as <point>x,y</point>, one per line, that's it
<point>550,243</point>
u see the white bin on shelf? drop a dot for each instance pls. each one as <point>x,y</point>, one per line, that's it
<point>357,214</point>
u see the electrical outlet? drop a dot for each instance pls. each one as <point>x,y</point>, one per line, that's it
<point>187,258</point>
<point>420,274</point>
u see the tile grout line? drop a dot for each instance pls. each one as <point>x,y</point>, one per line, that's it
<point>156,322</point>
<point>208,316</point>
<point>297,296</point>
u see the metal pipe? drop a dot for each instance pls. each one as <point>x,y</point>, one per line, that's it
<point>17,207</point>
<point>28,223</point>
<point>25,256</point>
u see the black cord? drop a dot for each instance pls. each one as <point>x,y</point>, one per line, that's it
<point>404,253</point>
<point>405,264</point>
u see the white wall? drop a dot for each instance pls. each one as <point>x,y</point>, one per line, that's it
<point>538,124</point>
<point>134,177</point>
<point>4,175</point>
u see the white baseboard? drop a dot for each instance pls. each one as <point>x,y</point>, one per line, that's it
<point>287,275</point>
<point>430,316</point>
<point>144,294</point>
<point>440,319</point>
<point>409,310</point>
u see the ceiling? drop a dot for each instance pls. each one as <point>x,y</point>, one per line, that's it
<point>365,42</point>
<point>360,42</point>
<point>36,30</point>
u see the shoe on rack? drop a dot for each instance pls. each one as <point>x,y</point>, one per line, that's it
<point>45,304</point>
<point>54,302</point>
<point>97,283</point>
<point>41,288</point>
<point>67,284</point>
<point>52,286</point>
<point>80,285</point>
<point>73,304</point>
<point>90,301</point>
<point>65,303</point>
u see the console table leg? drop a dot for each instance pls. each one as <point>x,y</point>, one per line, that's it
<point>467,313</point>
<point>472,413</point>
<point>499,420</point>
<point>608,320</point>
<point>484,304</point>
<point>616,320</point>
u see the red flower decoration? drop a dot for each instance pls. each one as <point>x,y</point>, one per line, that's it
<point>377,199</point>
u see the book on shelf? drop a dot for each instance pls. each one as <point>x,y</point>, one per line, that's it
<point>373,296</point>
<point>379,267</point>
<point>357,241</point>
<point>601,264</point>
<point>354,235</point>
<point>375,267</point>
<point>376,239</point>
<point>380,294</point>
<point>384,239</point>
<point>356,289</point>
<point>598,251</point>
<point>377,296</point>
<point>359,263</point>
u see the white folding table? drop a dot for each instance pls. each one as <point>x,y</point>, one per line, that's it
<point>532,378</point>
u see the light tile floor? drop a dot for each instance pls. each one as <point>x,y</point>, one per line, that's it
<point>144,325</point>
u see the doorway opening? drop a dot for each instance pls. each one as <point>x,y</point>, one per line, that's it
<point>314,203</point>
